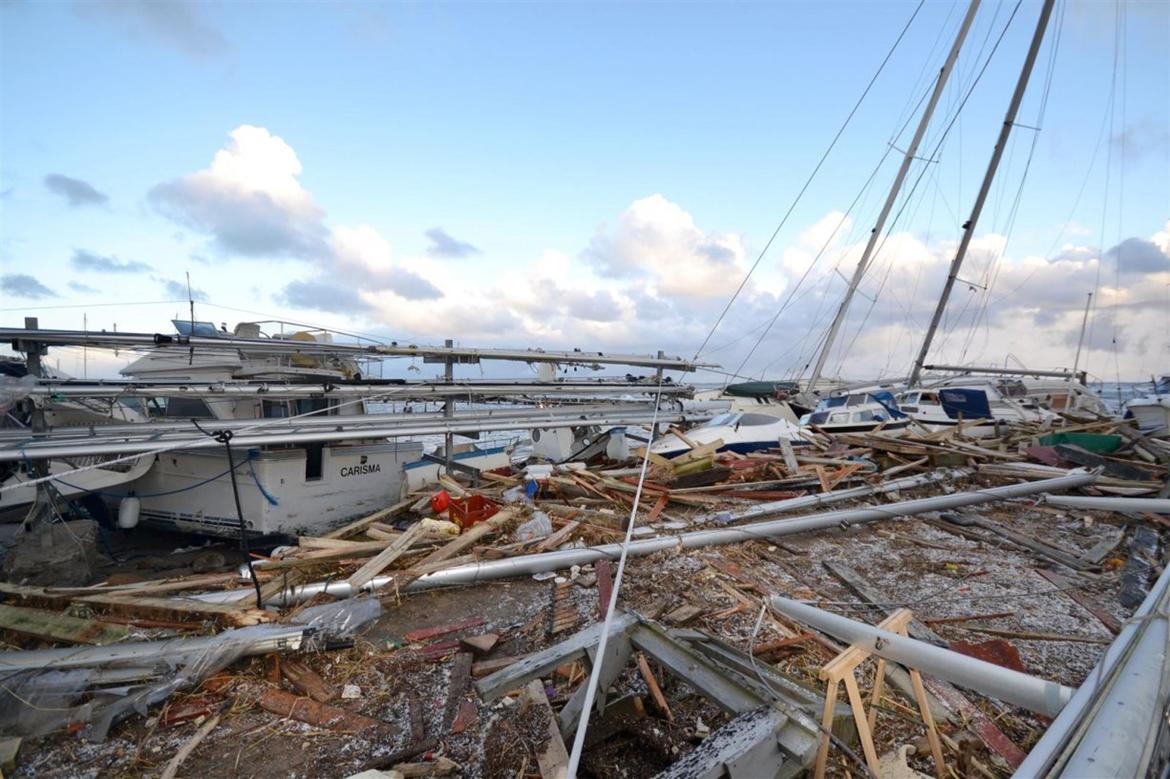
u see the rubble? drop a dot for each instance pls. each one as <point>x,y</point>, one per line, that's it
<point>363,657</point>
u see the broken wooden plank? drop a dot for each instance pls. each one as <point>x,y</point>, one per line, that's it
<point>459,682</point>
<point>422,634</point>
<point>652,685</point>
<point>304,709</point>
<point>383,559</point>
<point>55,626</point>
<point>554,758</point>
<point>353,528</point>
<point>307,681</point>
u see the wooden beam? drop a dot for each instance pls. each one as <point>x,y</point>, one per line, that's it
<point>54,626</point>
<point>363,575</point>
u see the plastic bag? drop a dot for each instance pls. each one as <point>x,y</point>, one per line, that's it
<point>540,526</point>
<point>341,619</point>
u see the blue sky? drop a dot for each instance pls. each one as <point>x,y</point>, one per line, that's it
<point>602,173</point>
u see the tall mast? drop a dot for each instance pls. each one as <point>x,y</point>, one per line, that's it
<point>907,159</point>
<point>969,227</point>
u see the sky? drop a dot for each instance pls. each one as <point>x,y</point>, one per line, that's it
<point>598,175</point>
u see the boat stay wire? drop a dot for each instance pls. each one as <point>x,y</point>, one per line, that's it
<point>808,182</point>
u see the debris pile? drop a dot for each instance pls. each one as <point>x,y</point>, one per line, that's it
<point>349,652</point>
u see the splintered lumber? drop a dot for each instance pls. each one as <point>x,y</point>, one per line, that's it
<point>308,710</point>
<point>423,634</point>
<point>554,758</point>
<point>457,687</point>
<point>556,539</point>
<point>452,486</point>
<point>353,528</point>
<point>652,685</point>
<point>384,558</point>
<point>307,681</point>
<point>680,435</point>
<point>54,626</point>
<point>176,607</point>
<point>454,547</point>
<point>185,751</point>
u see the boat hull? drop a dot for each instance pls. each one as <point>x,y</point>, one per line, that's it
<point>282,491</point>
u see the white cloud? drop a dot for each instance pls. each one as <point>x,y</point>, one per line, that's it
<point>659,239</point>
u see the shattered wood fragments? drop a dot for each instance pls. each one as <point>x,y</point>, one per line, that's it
<point>321,715</point>
<point>499,660</point>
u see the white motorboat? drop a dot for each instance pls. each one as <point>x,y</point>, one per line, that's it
<point>856,412</point>
<point>1152,411</point>
<point>738,431</point>
<point>981,406</point>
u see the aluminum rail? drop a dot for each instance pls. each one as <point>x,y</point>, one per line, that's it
<point>1008,371</point>
<point>48,449</point>
<point>1020,689</point>
<point>471,573</point>
<point>18,336</point>
<point>1107,727</point>
<point>826,498</point>
<point>159,429</point>
<point>400,390</point>
<point>255,640</point>
<point>1123,505</point>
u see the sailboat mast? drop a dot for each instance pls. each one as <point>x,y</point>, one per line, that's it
<point>895,188</point>
<point>988,177</point>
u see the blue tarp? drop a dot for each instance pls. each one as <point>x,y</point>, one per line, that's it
<point>970,403</point>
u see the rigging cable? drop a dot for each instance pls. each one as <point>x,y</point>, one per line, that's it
<point>809,180</point>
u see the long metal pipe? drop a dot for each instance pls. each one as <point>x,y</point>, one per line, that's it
<point>1124,505</point>
<point>1086,713</point>
<point>228,342</point>
<point>48,450</point>
<point>836,496</point>
<point>255,640</point>
<point>399,391</point>
<point>471,573</point>
<point>1021,689</point>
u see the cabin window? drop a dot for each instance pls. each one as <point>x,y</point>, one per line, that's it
<point>756,419</point>
<point>187,408</point>
<point>910,398</point>
<point>275,409</point>
<point>864,416</point>
<point>839,418</point>
<point>314,459</point>
<point>307,405</point>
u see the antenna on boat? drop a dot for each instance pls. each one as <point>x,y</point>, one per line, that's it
<point>191,304</point>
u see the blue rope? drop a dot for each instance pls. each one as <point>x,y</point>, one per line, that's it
<point>272,501</point>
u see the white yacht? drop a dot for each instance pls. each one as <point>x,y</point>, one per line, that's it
<point>984,404</point>
<point>1152,411</point>
<point>283,488</point>
<point>856,412</point>
<point>739,431</point>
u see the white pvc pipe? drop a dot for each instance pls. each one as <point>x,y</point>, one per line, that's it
<point>1123,505</point>
<point>1030,692</point>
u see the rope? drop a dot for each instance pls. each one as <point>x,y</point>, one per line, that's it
<point>595,673</point>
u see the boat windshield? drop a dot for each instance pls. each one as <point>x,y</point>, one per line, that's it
<point>1163,386</point>
<point>724,420</point>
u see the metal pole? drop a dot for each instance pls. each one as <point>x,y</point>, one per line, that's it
<point>969,227</point>
<point>448,410</point>
<point>895,188</point>
<point>1039,695</point>
<point>1121,505</point>
<point>525,565</point>
<point>1070,727</point>
<point>1081,340</point>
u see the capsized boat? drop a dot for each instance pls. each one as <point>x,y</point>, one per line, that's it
<point>737,431</point>
<point>1152,411</point>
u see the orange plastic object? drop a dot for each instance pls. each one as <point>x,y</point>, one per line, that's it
<point>440,501</point>
<point>465,512</point>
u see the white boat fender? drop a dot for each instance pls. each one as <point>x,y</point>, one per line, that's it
<point>128,511</point>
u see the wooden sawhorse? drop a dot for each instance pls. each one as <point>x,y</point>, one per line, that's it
<point>841,669</point>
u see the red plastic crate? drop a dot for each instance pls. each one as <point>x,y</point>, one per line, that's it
<point>465,512</point>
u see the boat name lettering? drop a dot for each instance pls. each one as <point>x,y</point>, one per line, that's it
<point>358,470</point>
